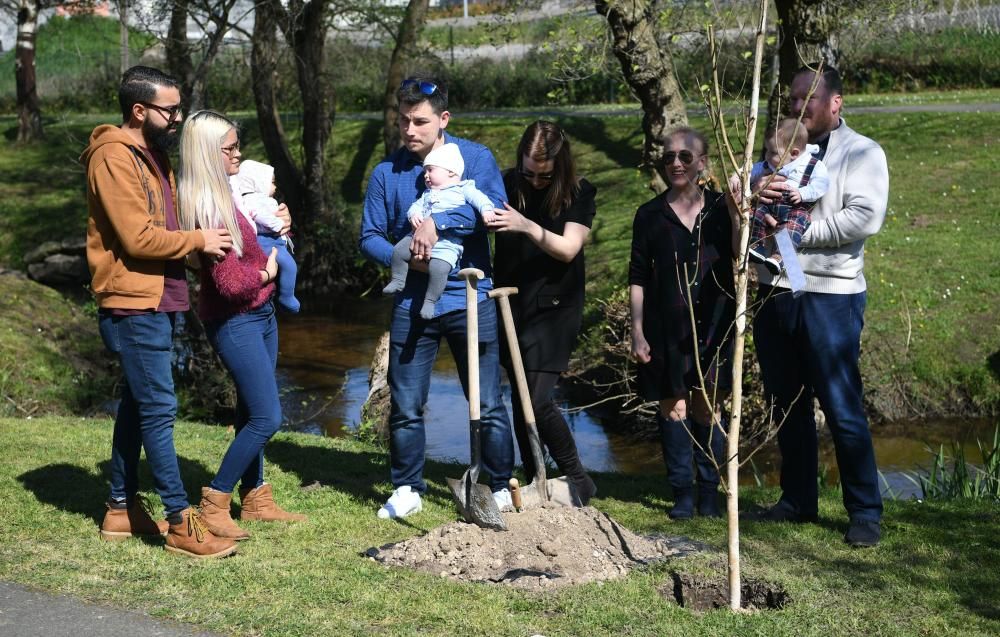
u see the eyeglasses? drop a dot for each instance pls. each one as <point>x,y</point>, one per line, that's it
<point>427,88</point>
<point>686,157</point>
<point>170,112</point>
<point>230,149</point>
<point>530,176</point>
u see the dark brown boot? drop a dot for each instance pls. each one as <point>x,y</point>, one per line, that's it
<point>190,537</point>
<point>214,512</point>
<point>123,523</point>
<point>258,504</point>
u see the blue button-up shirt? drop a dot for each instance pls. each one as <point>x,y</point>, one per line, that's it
<point>395,184</point>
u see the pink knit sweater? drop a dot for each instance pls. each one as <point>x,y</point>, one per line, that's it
<point>232,285</point>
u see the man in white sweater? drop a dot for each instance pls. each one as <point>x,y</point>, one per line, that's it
<point>809,346</point>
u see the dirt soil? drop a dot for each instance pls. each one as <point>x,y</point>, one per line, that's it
<point>542,549</point>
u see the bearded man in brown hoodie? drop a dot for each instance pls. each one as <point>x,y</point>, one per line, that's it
<point>136,251</point>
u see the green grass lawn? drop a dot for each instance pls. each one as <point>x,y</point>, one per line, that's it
<point>934,574</point>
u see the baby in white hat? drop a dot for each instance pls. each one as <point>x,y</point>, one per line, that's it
<point>253,190</point>
<point>443,168</point>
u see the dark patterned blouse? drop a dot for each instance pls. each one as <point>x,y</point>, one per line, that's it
<point>678,268</point>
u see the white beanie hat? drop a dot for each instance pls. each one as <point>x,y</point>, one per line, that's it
<point>447,157</point>
<point>253,177</point>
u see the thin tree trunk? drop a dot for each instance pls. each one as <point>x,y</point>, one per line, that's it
<point>29,112</point>
<point>649,71</point>
<point>263,66</point>
<point>308,37</point>
<point>742,283</point>
<point>409,32</point>
<point>179,56</point>
<point>123,35</point>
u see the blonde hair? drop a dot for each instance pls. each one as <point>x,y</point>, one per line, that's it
<point>203,193</point>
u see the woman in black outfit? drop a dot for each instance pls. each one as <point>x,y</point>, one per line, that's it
<point>539,250</point>
<point>683,245</point>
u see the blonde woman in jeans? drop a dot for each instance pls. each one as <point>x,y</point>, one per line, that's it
<point>236,307</point>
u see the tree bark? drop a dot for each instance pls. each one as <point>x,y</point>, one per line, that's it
<point>123,36</point>
<point>263,66</point>
<point>29,112</point>
<point>649,71</point>
<point>306,33</point>
<point>808,34</point>
<point>409,32</point>
<point>179,55</point>
<point>179,58</point>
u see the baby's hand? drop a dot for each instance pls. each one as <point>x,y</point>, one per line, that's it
<point>489,215</point>
<point>416,221</point>
<point>793,195</point>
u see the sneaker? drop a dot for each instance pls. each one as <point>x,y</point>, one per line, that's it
<point>773,265</point>
<point>502,498</point>
<point>404,501</point>
<point>863,533</point>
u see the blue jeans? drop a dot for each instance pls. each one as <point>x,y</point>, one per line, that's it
<point>813,343</point>
<point>248,346</point>
<point>148,407</point>
<point>287,269</point>
<point>413,346</point>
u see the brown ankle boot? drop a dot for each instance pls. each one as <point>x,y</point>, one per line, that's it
<point>120,524</point>
<point>191,538</point>
<point>258,504</point>
<point>214,512</point>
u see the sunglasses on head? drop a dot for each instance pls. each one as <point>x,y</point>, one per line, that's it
<point>686,157</point>
<point>427,88</point>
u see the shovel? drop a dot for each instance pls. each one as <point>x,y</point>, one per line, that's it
<point>539,490</point>
<point>475,501</point>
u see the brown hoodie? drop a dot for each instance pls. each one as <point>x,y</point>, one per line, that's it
<point>127,239</point>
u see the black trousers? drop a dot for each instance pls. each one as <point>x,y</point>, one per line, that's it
<point>553,431</point>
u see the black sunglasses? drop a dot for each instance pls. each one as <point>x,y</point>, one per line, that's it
<point>427,88</point>
<point>686,157</point>
<point>171,112</point>
<point>527,174</point>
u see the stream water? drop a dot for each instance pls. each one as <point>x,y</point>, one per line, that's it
<point>323,364</point>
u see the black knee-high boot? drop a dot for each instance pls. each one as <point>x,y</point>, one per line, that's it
<point>677,454</point>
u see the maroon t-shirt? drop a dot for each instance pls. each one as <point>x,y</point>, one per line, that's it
<point>175,293</point>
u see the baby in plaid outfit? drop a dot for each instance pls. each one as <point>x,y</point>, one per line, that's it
<point>789,154</point>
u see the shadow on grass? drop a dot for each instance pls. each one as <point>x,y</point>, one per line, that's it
<point>944,548</point>
<point>350,472</point>
<point>69,488</point>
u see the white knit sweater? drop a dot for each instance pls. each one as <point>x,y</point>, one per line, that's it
<point>832,253</point>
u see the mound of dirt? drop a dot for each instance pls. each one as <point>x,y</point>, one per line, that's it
<point>542,548</point>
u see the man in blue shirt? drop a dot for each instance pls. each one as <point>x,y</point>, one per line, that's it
<point>394,185</point>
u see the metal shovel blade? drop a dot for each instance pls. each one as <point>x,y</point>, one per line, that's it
<point>475,502</point>
<point>561,492</point>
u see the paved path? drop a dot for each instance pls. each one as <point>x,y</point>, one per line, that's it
<point>30,613</point>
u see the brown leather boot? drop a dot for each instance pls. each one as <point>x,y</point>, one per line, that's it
<point>258,504</point>
<point>191,538</point>
<point>214,512</point>
<point>121,524</point>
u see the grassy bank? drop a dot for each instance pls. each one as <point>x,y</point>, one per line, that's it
<point>933,284</point>
<point>52,358</point>
<point>933,574</point>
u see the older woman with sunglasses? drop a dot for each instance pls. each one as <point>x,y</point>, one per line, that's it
<point>681,293</point>
<point>539,250</point>
<point>235,305</point>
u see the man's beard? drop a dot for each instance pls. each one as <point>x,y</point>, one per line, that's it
<point>164,139</point>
